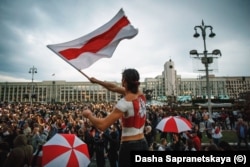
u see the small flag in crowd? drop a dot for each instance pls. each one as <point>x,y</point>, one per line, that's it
<point>101,43</point>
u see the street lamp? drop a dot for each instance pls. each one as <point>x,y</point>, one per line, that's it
<point>206,58</point>
<point>32,70</point>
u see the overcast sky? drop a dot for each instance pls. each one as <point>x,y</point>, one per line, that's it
<point>166,29</point>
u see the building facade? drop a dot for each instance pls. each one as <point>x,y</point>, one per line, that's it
<point>170,78</point>
<point>55,91</point>
<point>165,86</point>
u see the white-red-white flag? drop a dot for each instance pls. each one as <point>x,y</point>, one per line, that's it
<point>101,43</point>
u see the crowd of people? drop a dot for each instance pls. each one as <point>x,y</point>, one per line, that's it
<point>35,124</point>
<point>111,130</point>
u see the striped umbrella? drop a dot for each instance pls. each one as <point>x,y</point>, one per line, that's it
<point>65,150</point>
<point>174,124</point>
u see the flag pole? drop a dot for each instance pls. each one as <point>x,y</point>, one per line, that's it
<point>84,74</point>
<point>76,68</point>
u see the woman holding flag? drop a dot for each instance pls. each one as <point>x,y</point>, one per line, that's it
<point>131,110</point>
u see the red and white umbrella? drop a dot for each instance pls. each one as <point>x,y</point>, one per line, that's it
<point>174,124</point>
<point>65,150</point>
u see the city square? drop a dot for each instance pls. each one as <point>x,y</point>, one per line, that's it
<point>175,80</point>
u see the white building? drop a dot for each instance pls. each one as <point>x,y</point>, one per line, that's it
<point>169,84</point>
<point>170,78</point>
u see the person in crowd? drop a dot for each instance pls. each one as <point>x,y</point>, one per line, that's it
<point>227,122</point>
<point>37,157</point>
<point>195,138</point>
<point>216,133</point>
<point>153,118</point>
<point>165,135</point>
<point>148,135</point>
<point>196,130</point>
<point>99,147</point>
<point>197,118</point>
<point>211,147</point>
<point>89,139</point>
<point>84,133</point>
<point>100,142</point>
<point>7,134</point>
<point>241,131</point>
<point>189,145</point>
<point>154,146</point>
<point>208,127</point>
<point>177,144</point>
<point>163,144</point>
<point>21,154</point>
<point>26,129</point>
<point>113,143</point>
<point>183,137</point>
<point>225,146</point>
<point>131,109</point>
<point>222,119</point>
<point>232,120</point>
<point>4,151</point>
<point>39,136</point>
<point>215,116</point>
<point>56,125</point>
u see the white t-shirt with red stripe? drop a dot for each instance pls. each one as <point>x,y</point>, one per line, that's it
<point>134,117</point>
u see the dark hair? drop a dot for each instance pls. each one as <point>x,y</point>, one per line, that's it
<point>212,147</point>
<point>4,146</point>
<point>132,77</point>
<point>225,146</point>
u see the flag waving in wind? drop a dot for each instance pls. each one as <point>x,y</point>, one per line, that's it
<point>101,43</point>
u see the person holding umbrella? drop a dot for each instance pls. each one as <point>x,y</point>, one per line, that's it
<point>130,109</point>
<point>177,144</point>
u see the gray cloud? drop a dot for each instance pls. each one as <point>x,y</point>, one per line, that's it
<point>165,31</point>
